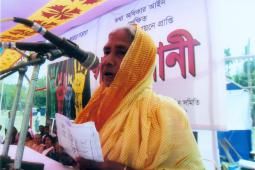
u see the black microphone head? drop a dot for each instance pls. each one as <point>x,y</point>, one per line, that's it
<point>95,64</point>
<point>91,61</point>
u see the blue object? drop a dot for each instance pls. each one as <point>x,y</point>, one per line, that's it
<point>1,51</point>
<point>232,86</point>
<point>240,141</point>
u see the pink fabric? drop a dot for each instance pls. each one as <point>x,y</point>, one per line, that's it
<point>32,156</point>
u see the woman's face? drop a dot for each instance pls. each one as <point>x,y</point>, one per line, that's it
<point>114,51</point>
<point>37,139</point>
<point>48,142</point>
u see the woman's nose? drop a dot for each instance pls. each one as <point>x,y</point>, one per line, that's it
<point>109,59</point>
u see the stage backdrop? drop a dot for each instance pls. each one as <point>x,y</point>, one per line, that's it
<point>186,69</point>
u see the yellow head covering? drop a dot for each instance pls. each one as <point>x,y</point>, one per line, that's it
<point>136,66</point>
<point>137,127</point>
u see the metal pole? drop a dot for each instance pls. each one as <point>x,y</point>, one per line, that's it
<point>8,137</point>
<point>25,121</point>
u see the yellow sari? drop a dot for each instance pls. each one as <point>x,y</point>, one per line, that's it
<point>137,127</point>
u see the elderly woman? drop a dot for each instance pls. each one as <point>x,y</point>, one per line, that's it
<point>138,128</point>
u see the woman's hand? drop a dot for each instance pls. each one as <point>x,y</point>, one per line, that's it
<point>85,164</point>
<point>63,157</point>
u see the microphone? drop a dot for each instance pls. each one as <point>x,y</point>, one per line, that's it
<point>39,47</point>
<point>87,59</point>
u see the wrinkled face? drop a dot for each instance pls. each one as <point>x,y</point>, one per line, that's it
<point>114,51</point>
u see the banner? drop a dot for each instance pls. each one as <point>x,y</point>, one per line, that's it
<point>68,88</point>
<point>185,69</point>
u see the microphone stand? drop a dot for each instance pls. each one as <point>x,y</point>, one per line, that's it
<point>25,121</point>
<point>7,74</point>
<point>4,157</point>
<point>24,127</point>
<point>23,64</point>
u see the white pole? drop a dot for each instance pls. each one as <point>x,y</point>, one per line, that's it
<point>10,124</point>
<point>25,120</point>
<point>214,143</point>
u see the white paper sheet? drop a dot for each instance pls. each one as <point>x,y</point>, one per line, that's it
<point>79,139</point>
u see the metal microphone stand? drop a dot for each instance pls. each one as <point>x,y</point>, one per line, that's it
<point>25,121</point>
<point>8,138</point>
<point>4,159</point>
